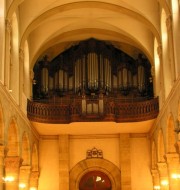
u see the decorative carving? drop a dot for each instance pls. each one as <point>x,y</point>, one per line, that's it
<point>34,175</point>
<point>12,164</point>
<point>94,153</point>
<point>114,109</point>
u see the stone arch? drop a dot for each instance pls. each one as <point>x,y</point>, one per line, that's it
<point>35,160</point>
<point>1,125</point>
<point>153,155</point>
<point>102,165</point>
<point>161,147</point>
<point>25,150</point>
<point>170,135</point>
<point>12,142</point>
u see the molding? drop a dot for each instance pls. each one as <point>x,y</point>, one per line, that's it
<point>162,111</point>
<point>4,92</point>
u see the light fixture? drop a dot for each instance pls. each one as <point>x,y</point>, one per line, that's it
<point>8,179</point>
<point>164,182</point>
<point>175,176</point>
<point>22,185</point>
<point>33,188</point>
<point>157,187</point>
<point>177,128</point>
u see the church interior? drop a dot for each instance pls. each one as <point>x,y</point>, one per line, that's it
<point>89,95</point>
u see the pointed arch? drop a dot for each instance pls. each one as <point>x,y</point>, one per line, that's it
<point>153,155</point>
<point>35,159</point>
<point>161,147</point>
<point>25,150</point>
<point>170,135</point>
<point>12,142</point>
<point>1,125</point>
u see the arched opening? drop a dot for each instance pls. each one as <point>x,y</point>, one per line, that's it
<point>161,147</point>
<point>34,164</point>
<point>13,144</point>
<point>25,80</point>
<point>171,135</point>
<point>25,150</point>
<point>176,28</point>
<point>95,167</point>
<point>154,156</point>
<point>14,60</point>
<point>95,180</point>
<point>165,53</point>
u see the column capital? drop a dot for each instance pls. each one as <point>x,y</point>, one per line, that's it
<point>154,172</point>
<point>13,162</point>
<point>172,158</point>
<point>34,175</point>
<point>162,168</point>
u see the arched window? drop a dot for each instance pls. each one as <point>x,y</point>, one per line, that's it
<point>95,180</point>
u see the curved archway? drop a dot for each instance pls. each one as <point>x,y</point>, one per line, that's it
<point>35,160</point>
<point>154,156</point>
<point>25,150</point>
<point>161,147</point>
<point>95,164</point>
<point>170,135</point>
<point>13,143</point>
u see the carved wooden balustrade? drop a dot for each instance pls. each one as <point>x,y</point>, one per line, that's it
<point>78,109</point>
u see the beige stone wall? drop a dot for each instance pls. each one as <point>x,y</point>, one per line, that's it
<point>136,158</point>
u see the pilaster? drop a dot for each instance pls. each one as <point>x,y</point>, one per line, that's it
<point>171,47</point>
<point>12,165</point>
<point>34,179</point>
<point>64,162</point>
<point>125,162</point>
<point>173,165</point>
<point>155,178</point>
<point>163,173</point>
<point>1,165</point>
<point>24,176</point>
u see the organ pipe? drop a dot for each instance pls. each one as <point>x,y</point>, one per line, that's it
<point>92,68</point>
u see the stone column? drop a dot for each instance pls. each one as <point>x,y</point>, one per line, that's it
<point>64,162</point>
<point>1,166</point>
<point>159,50</point>
<point>163,173</point>
<point>155,178</point>
<point>8,50</point>
<point>33,181</point>
<point>12,165</point>
<point>171,47</point>
<point>173,168</point>
<point>24,176</point>
<point>125,162</point>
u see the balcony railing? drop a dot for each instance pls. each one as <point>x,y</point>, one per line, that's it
<point>67,110</point>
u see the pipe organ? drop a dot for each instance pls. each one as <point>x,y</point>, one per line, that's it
<point>92,68</point>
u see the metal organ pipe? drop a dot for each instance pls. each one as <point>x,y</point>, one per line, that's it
<point>44,80</point>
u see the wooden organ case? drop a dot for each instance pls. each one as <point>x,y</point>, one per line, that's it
<point>89,81</point>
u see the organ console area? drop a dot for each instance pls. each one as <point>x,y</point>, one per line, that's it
<point>92,68</point>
